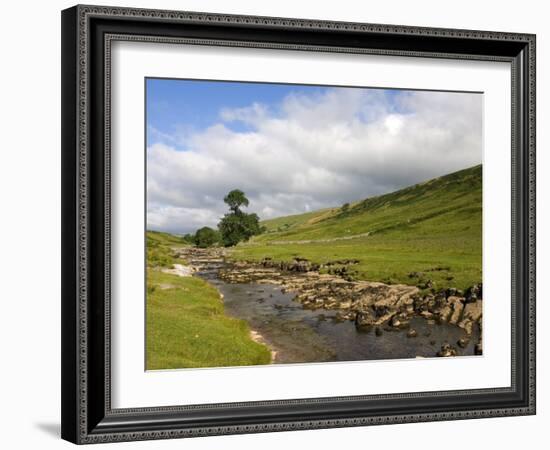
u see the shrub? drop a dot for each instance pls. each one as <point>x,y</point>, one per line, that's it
<point>206,237</point>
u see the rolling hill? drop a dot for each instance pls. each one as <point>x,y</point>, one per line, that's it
<point>428,233</point>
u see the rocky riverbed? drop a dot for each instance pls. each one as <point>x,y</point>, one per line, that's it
<point>371,307</point>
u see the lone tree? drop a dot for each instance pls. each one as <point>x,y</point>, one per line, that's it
<point>235,199</point>
<point>206,237</point>
<point>237,226</point>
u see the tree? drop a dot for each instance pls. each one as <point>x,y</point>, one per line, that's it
<point>238,226</point>
<point>235,228</point>
<point>206,237</point>
<point>235,199</point>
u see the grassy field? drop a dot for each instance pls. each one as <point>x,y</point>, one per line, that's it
<point>186,324</point>
<point>187,327</point>
<point>429,231</point>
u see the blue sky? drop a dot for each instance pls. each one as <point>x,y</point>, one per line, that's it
<point>295,148</point>
<point>176,107</point>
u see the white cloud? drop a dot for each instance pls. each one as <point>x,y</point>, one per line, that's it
<point>313,152</point>
<point>252,115</point>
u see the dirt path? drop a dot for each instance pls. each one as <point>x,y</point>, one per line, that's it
<point>321,241</point>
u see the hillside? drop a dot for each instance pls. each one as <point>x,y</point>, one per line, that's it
<point>428,232</point>
<point>159,248</point>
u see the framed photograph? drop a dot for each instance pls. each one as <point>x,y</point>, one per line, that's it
<point>279,224</point>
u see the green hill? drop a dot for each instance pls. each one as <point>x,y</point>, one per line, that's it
<point>159,245</point>
<point>430,231</point>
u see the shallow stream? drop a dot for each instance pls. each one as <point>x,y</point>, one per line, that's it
<point>297,334</point>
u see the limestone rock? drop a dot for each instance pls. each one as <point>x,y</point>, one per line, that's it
<point>446,351</point>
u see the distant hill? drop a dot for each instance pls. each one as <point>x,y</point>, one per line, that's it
<point>432,206</point>
<point>425,227</point>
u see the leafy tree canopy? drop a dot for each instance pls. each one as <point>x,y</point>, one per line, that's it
<point>235,199</point>
<point>206,237</point>
<point>237,226</point>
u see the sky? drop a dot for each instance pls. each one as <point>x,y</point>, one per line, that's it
<point>295,148</point>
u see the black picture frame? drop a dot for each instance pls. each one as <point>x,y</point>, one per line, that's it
<point>87,416</point>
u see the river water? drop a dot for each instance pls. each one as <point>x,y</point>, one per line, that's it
<point>298,335</point>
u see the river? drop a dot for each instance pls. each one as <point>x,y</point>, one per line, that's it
<point>296,334</point>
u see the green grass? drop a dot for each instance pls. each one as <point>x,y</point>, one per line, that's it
<point>162,238</point>
<point>187,327</point>
<point>159,249</point>
<point>433,228</point>
<point>286,223</point>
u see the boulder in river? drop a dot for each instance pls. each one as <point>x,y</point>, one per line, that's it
<point>398,321</point>
<point>446,351</point>
<point>471,315</point>
<point>478,349</point>
<point>457,306</point>
<point>412,333</point>
<point>474,293</point>
<point>364,321</point>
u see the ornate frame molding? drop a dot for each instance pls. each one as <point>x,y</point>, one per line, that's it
<point>80,418</point>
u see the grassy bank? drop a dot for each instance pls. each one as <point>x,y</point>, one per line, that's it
<point>429,231</point>
<point>186,324</point>
<point>187,327</point>
<point>159,249</point>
